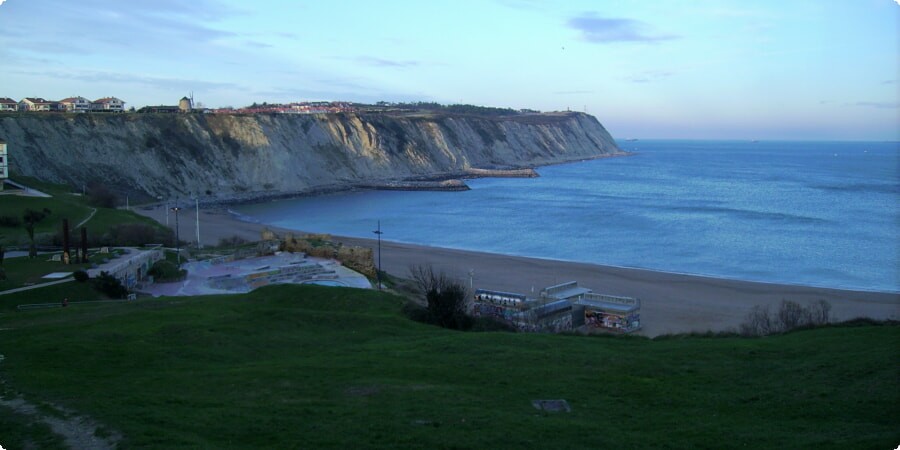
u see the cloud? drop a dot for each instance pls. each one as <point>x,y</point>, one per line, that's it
<point>878,105</point>
<point>1,2</point>
<point>381,62</point>
<point>573,92</point>
<point>603,30</point>
<point>649,76</point>
<point>179,84</point>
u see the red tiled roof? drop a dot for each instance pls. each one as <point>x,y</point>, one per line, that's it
<point>36,100</point>
<point>70,100</point>
<point>7,101</point>
<point>106,100</point>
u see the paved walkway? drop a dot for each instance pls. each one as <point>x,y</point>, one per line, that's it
<point>36,286</point>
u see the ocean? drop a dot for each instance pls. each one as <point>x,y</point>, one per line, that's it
<point>811,213</point>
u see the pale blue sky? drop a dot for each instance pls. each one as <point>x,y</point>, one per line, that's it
<point>788,69</point>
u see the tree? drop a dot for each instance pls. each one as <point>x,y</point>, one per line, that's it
<point>445,297</point>
<point>31,218</point>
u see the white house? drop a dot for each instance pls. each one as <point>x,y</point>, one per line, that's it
<point>4,163</point>
<point>108,104</point>
<point>76,104</point>
<point>39,104</point>
<point>8,104</point>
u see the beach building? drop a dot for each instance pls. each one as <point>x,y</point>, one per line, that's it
<point>608,312</point>
<point>4,163</point>
<point>76,104</point>
<point>8,105</point>
<point>130,268</point>
<point>560,307</point>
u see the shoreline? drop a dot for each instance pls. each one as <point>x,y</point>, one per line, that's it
<point>671,302</point>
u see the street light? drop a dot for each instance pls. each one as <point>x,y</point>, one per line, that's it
<point>378,272</point>
<point>175,209</point>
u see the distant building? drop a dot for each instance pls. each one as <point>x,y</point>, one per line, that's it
<point>39,104</point>
<point>185,105</point>
<point>4,164</point>
<point>110,104</point>
<point>559,308</point>
<point>76,104</point>
<point>8,104</point>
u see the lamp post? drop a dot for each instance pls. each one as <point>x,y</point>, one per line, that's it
<point>175,209</point>
<point>378,272</point>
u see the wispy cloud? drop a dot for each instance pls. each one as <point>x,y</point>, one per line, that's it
<point>879,105</point>
<point>573,92</point>
<point>602,30</point>
<point>180,84</point>
<point>649,76</point>
<point>381,62</point>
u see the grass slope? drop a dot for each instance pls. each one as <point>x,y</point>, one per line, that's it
<point>312,367</point>
<point>62,205</point>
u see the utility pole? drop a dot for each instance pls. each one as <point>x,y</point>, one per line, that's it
<point>197,203</point>
<point>177,238</point>
<point>378,271</point>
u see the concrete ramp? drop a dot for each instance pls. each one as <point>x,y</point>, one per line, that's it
<point>25,190</point>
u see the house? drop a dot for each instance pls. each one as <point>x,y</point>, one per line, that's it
<point>8,104</point>
<point>76,104</point>
<point>39,104</point>
<point>110,104</point>
<point>4,163</point>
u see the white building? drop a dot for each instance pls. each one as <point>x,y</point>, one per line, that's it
<point>76,104</point>
<point>4,163</point>
<point>8,104</point>
<point>39,104</point>
<point>108,104</point>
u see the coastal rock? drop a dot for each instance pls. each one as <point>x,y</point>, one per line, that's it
<point>254,156</point>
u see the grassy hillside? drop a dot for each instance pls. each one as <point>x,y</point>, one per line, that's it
<point>313,367</point>
<point>64,204</point>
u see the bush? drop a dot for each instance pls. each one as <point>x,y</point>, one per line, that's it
<point>445,297</point>
<point>166,271</point>
<point>110,286</point>
<point>80,276</point>
<point>100,196</point>
<point>10,221</point>
<point>789,316</point>
<point>232,241</point>
<point>136,234</point>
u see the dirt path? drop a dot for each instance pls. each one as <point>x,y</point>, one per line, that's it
<point>78,431</point>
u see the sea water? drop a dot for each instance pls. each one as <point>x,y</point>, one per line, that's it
<point>812,213</point>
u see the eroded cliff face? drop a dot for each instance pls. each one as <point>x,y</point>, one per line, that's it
<point>235,155</point>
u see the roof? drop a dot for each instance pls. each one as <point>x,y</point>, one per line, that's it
<point>569,293</point>
<point>606,306</point>
<point>36,100</point>
<point>7,100</point>
<point>552,308</point>
<point>2,141</point>
<point>107,100</point>
<point>72,99</point>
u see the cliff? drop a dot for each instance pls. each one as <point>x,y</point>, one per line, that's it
<point>233,156</point>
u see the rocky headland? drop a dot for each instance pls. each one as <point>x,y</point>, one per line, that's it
<point>250,157</point>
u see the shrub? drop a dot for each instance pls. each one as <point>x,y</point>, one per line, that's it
<point>109,285</point>
<point>445,297</point>
<point>166,271</point>
<point>10,221</point>
<point>136,234</point>
<point>789,316</point>
<point>80,276</point>
<point>232,241</point>
<point>100,196</point>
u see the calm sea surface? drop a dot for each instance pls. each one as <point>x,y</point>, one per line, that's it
<point>814,213</point>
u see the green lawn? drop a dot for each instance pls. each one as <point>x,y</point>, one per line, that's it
<point>313,367</point>
<point>62,205</point>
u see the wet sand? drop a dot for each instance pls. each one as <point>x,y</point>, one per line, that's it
<point>671,303</point>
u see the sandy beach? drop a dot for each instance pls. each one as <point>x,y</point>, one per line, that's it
<point>671,303</point>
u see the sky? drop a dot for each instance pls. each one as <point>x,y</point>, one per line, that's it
<point>699,69</point>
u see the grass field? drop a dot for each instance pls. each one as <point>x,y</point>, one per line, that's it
<point>62,205</point>
<point>314,367</point>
